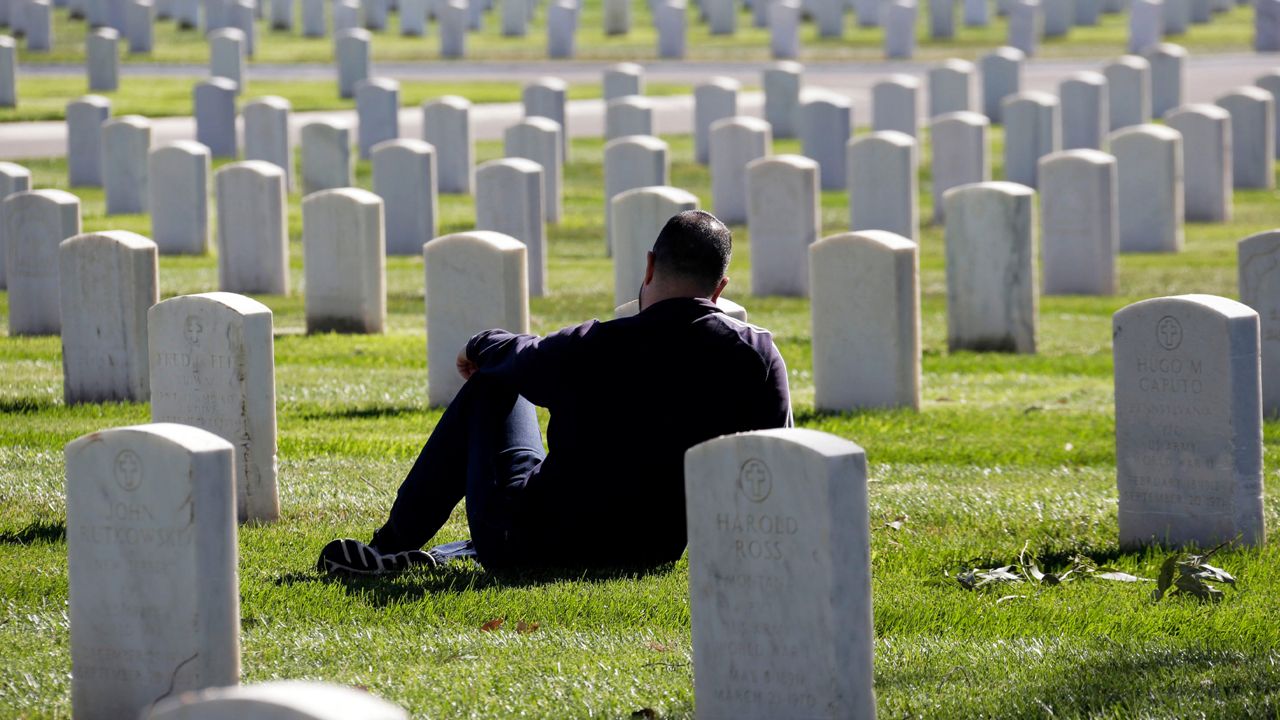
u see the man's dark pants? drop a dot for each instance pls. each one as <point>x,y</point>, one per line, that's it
<point>483,449</point>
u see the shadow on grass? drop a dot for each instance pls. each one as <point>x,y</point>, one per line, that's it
<point>360,413</point>
<point>25,405</point>
<point>459,577</point>
<point>38,531</point>
<point>1114,680</point>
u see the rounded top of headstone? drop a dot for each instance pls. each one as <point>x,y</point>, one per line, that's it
<point>1033,97</point>
<point>1166,50</point>
<point>889,137</point>
<point>899,79</point>
<point>1266,241</point>
<point>1131,62</point>
<point>881,240</point>
<point>189,438</point>
<point>673,195</point>
<point>44,196</point>
<point>378,83</point>
<point>823,444</point>
<point>790,67</point>
<point>226,85</point>
<point>331,125</point>
<point>105,33</point>
<point>637,101</point>
<point>625,68</point>
<point>719,82</point>
<point>1089,156</point>
<point>548,82</point>
<point>272,102</point>
<point>1268,78</point>
<point>91,100</point>
<point>122,238</point>
<point>793,162</point>
<point>498,242</point>
<point>14,170</point>
<point>136,122</point>
<point>955,65</point>
<point>1147,132</point>
<point>402,145</point>
<point>6,41</point>
<point>1203,304</point>
<point>345,196</point>
<point>356,34</point>
<point>1253,93</point>
<point>1006,54</point>
<point>457,102</point>
<point>648,142</point>
<point>239,304</point>
<point>961,193</point>
<point>285,700</point>
<point>522,166</point>
<point>960,117</point>
<point>1202,110</point>
<point>822,96</point>
<point>537,122</point>
<point>227,33</point>
<point>1087,77</point>
<point>743,123</point>
<point>183,147</point>
<point>261,168</point>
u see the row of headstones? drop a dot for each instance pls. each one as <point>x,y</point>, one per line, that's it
<point>763,508</point>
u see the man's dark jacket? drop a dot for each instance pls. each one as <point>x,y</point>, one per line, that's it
<point>627,398</point>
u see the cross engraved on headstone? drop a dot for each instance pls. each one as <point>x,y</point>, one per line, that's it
<point>128,470</point>
<point>755,480</point>
<point>1170,332</point>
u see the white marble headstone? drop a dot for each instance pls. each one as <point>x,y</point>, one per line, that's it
<point>108,281</point>
<point>780,576</point>
<point>212,362</point>
<point>1188,422</point>
<point>783,218</point>
<point>865,321</point>
<point>36,221</point>
<point>151,567</point>
<point>475,281</point>
<point>992,296</point>
<point>278,700</point>
<point>344,256</point>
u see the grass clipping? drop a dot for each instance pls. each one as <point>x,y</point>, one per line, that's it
<point>1181,574</point>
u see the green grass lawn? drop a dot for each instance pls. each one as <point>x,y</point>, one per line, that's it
<point>1007,452</point>
<point>1230,32</point>
<point>42,97</point>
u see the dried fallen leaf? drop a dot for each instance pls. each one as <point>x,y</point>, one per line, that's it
<point>492,625</point>
<point>656,646</point>
<point>524,628</point>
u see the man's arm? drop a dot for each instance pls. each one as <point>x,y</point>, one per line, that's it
<point>775,397</point>
<point>536,368</point>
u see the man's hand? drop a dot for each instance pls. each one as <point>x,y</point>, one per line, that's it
<point>466,368</point>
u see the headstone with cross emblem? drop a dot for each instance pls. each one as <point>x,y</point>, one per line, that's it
<point>1188,422</point>
<point>213,367</point>
<point>780,576</point>
<point>151,565</point>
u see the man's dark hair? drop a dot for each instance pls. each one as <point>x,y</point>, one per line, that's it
<point>696,246</point>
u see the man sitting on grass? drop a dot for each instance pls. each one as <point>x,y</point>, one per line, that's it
<point>627,398</point>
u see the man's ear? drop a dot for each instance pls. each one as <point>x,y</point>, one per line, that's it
<point>724,282</point>
<point>648,268</point>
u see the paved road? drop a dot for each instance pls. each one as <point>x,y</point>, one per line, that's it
<point>1207,78</point>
